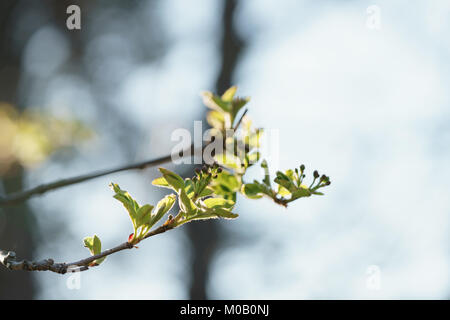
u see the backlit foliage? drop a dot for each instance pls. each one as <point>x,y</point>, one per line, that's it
<point>211,191</point>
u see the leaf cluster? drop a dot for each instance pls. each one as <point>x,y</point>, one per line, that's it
<point>212,190</point>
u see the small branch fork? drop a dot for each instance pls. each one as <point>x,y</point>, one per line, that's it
<point>9,260</point>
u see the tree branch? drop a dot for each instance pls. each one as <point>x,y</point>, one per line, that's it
<point>18,197</point>
<point>9,260</point>
<point>21,196</point>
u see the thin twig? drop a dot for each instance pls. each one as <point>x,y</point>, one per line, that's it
<point>240,120</point>
<point>18,197</point>
<point>9,260</point>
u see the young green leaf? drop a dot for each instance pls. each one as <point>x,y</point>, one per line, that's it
<point>225,213</point>
<point>143,215</point>
<point>163,206</point>
<point>186,204</point>
<point>252,190</point>
<point>206,192</point>
<point>290,174</point>
<point>214,203</point>
<point>228,160</point>
<point>229,94</point>
<point>216,119</point>
<point>89,243</point>
<point>173,179</point>
<point>282,191</point>
<point>128,202</point>
<point>226,185</point>
<point>301,192</point>
<point>225,106</point>
<point>95,247</point>
<point>215,213</point>
<point>161,182</point>
<point>284,180</point>
<point>214,102</point>
<point>237,105</point>
<point>228,180</point>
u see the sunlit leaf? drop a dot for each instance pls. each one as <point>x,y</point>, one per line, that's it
<point>282,191</point>
<point>228,160</point>
<point>216,119</point>
<point>186,204</point>
<point>206,192</point>
<point>215,102</point>
<point>163,206</point>
<point>252,190</point>
<point>284,180</point>
<point>229,94</point>
<point>225,106</point>
<point>227,179</point>
<point>95,247</point>
<point>303,191</point>
<point>226,185</point>
<point>173,179</point>
<point>143,215</point>
<point>161,182</point>
<point>189,188</point>
<point>89,243</point>
<point>214,214</point>
<point>225,213</point>
<point>218,203</point>
<point>237,105</point>
<point>128,202</point>
<point>290,174</point>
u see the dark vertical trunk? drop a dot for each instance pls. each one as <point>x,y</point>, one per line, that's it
<point>16,235</point>
<point>15,222</point>
<point>17,226</point>
<point>231,47</point>
<point>205,236</point>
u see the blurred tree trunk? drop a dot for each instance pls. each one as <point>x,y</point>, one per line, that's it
<point>16,235</point>
<point>16,227</point>
<point>204,237</point>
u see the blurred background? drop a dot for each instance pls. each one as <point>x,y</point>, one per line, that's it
<point>357,90</point>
